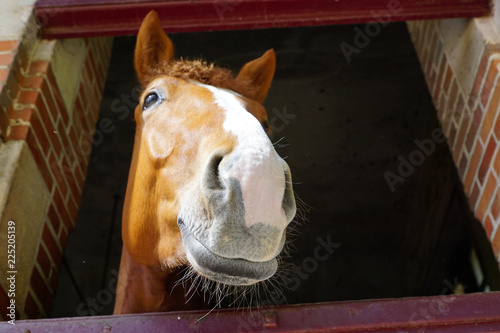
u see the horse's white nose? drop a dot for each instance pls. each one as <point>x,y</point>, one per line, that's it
<point>262,182</point>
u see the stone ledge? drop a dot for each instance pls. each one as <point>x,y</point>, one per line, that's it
<point>24,200</point>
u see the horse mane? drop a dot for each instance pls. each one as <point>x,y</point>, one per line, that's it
<point>203,72</point>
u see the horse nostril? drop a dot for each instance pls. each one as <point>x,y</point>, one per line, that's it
<point>212,175</point>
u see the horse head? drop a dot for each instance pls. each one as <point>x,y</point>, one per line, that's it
<point>206,187</point>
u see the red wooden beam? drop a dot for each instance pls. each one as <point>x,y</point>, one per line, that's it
<point>83,18</point>
<point>444,314</point>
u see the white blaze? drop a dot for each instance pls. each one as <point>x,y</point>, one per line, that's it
<point>259,169</point>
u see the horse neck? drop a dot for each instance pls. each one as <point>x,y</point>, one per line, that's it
<point>142,288</point>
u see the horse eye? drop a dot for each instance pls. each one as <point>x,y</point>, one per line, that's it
<point>150,100</point>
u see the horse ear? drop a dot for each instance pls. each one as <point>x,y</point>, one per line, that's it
<point>152,47</point>
<point>260,73</point>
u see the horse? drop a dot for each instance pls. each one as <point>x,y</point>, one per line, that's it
<point>207,194</point>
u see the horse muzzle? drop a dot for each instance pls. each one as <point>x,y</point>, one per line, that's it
<point>231,271</point>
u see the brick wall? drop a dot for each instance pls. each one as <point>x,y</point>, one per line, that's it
<point>460,62</point>
<point>57,129</point>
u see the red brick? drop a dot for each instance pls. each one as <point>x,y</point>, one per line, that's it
<point>6,59</point>
<point>488,225</point>
<point>441,73</point>
<point>28,97</point>
<point>38,68</point>
<point>471,170</point>
<point>462,166</point>
<point>447,79</point>
<point>72,138</point>
<point>77,127</point>
<point>480,74</point>
<point>50,104</point>
<point>490,80</point>
<point>474,196</point>
<point>496,128</point>
<point>490,115</point>
<point>496,243</point>
<point>496,163</point>
<point>4,72</point>
<point>428,73</point>
<point>441,106</point>
<point>8,45</point>
<point>79,177</point>
<point>83,164</point>
<point>49,126</point>
<point>485,199</point>
<point>68,150</point>
<point>97,101</point>
<point>58,173</point>
<point>97,69</point>
<point>56,93</point>
<point>495,205</point>
<point>431,80</point>
<point>40,160</point>
<point>31,308</point>
<point>462,130</point>
<point>82,113</point>
<point>486,161</point>
<point>44,116</point>
<point>424,57</point>
<point>90,66</point>
<point>52,246</point>
<point>18,132</point>
<point>43,260</point>
<point>54,218</point>
<point>71,179</point>
<point>22,114</point>
<point>62,209</point>
<point>73,210</point>
<point>40,134</point>
<point>30,82</point>
<point>474,128</point>
<point>85,96</point>
<point>41,289</point>
<point>51,77</point>
<point>75,192</point>
<point>451,133</point>
<point>452,98</point>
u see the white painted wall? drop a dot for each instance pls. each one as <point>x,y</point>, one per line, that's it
<point>13,17</point>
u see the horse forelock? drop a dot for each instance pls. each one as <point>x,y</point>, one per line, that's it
<point>202,72</point>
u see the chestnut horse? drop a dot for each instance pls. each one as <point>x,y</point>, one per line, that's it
<point>206,189</point>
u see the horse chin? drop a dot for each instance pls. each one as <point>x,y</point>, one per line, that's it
<point>230,271</point>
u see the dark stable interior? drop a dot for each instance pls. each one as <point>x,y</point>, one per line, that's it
<point>383,213</point>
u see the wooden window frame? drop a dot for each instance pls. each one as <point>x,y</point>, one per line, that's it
<point>85,18</point>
